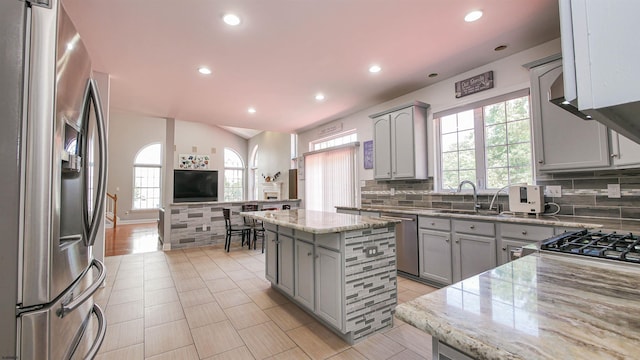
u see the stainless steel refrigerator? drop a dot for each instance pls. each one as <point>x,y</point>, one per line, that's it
<point>53,166</point>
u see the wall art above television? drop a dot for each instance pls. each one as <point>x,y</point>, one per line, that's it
<point>193,161</point>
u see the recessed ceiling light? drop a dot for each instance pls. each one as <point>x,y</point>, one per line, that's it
<point>500,48</point>
<point>374,69</point>
<point>319,96</point>
<point>251,110</point>
<point>204,70</point>
<point>473,16</point>
<point>231,19</point>
<point>432,75</point>
<point>69,46</point>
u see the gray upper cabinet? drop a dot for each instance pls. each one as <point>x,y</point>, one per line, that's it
<point>400,143</point>
<point>624,152</point>
<point>563,141</point>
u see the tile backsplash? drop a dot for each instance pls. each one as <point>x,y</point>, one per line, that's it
<point>583,194</point>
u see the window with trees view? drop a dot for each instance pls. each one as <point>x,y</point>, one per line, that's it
<point>233,176</point>
<point>488,143</point>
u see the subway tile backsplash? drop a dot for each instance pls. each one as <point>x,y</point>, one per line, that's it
<point>583,194</point>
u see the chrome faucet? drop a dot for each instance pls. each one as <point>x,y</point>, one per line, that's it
<point>476,205</point>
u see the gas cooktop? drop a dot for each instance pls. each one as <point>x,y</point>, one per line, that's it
<point>614,246</point>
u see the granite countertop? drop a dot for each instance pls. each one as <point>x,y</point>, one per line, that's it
<point>542,306</point>
<point>607,225</point>
<point>234,202</point>
<point>318,222</point>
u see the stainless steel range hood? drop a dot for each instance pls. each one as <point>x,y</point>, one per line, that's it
<point>623,118</point>
<point>599,66</point>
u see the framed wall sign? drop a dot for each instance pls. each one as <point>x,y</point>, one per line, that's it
<point>368,154</point>
<point>474,84</point>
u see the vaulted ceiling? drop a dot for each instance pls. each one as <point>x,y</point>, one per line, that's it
<point>284,52</point>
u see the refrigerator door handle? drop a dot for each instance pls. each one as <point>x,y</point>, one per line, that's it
<point>92,95</point>
<point>102,331</point>
<point>67,308</point>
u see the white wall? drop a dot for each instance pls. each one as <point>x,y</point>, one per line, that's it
<point>204,139</point>
<point>274,154</point>
<point>128,133</point>
<point>509,75</point>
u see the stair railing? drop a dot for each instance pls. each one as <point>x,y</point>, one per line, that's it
<point>112,209</point>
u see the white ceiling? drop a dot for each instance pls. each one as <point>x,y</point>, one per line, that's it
<point>286,51</point>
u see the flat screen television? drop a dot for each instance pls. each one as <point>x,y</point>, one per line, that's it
<point>195,185</point>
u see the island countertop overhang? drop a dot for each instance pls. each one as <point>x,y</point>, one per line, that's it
<point>552,307</point>
<point>319,222</point>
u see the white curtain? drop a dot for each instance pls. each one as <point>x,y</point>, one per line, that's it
<point>330,178</point>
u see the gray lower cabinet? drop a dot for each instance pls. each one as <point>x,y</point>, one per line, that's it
<point>442,351</point>
<point>348,211</point>
<point>472,255</point>
<point>285,263</point>
<point>329,286</point>
<point>473,248</point>
<point>279,259</point>
<point>510,250</point>
<point>271,255</point>
<point>514,236</point>
<point>304,277</point>
<point>435,256</point>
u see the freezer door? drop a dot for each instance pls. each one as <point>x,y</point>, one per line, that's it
<point>72,327</point>
<point>65,159</point>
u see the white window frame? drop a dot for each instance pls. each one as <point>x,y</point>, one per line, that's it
<point>480,144</point>
<point>343,138</point>
<point>325,184</point>
<point>242,175</point>
<point>136,166</point>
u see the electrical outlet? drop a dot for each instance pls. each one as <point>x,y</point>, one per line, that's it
<point>371,251</point>
<point>392,191</point>
<point>204,227</point>
<point>553,191</point>
<point>613,191</point>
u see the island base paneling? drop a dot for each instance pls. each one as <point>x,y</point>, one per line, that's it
<point>355,292</point>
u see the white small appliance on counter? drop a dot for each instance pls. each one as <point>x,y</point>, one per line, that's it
<point>526,199</point>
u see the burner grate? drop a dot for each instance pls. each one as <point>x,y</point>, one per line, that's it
<point>622,247</point>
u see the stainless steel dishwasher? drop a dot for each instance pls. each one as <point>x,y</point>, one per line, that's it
<point>406,242</point>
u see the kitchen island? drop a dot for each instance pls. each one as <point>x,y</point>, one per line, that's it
<point>542,306</point>
<point>339,268</point>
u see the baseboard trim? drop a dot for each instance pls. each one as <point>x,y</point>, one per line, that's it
<point>136,221</point>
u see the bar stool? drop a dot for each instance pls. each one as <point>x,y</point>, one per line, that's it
<point>231,230</point>
<point>257,227</point>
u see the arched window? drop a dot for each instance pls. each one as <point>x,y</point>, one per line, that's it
<point>147,168</point>
<point>233,176</point>
<point>253,175</point>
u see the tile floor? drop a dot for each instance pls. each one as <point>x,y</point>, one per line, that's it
<point>205,303</point>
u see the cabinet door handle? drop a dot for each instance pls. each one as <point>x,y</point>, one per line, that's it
<point>309,254</point>
<point>524,232</point>
<point>472,227</point>
<point>317,256</point>
<point>457,241</point>
<point>504,249</point>
<point>447,239</point>
<point>614,155</point>
<point>433,224</point>
<point>540,162</point>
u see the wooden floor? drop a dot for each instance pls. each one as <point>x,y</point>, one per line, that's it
<point>131,239</point>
